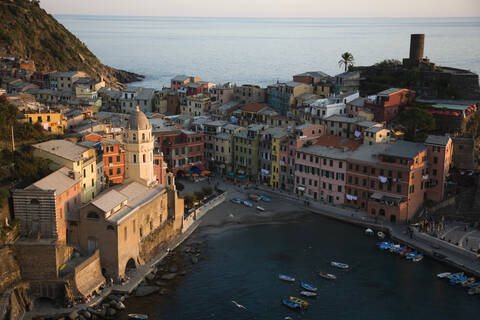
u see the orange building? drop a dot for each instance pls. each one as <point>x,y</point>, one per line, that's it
<point>387,103</point>
<point>113,160</point>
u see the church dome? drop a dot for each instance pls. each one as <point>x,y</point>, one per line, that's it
<point>138,121</point>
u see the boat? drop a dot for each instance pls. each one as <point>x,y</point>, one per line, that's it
<point>458,280</point>
<point>308,286</point>
<point>455,275</point>
<point>384,245</point>
<point>135,316</point>
<point>380,234</point>
<point>468,282</point>
<point>237,200</point>
<point>327,275</point>
<point>405,252</point>
<point>369,232</point>
<point>266,199</point>
<point>247,203</point>
<point>339,265</point>
<point>474,285</point>
<point>443,275</point>
<point>473,291</point>
<point>417,258</point>
<point>301,302</point>
<point>291,304</point>
<point>254,197</point>
<point>308,293</point>
<point>284,277</point>
<point>260,208</point>
<point>411,255</point>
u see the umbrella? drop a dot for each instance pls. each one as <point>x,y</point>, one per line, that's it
<point>205,172</point>
<point>187,174</point>
<point>189,171</point>
<point>195,175</point>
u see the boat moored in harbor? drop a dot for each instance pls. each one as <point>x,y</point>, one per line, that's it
<point>327,275</point>
<point>285,277</point>
<point>339,265</point>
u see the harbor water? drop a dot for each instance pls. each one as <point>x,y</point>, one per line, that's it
<point>242,265</point>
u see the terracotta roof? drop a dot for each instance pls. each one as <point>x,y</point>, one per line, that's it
<point>337,142</point>
<point>253,107</point>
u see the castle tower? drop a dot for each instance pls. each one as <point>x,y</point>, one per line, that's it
<point>138,142</point>
<point>416,48</point>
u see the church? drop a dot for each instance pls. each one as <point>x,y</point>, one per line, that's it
<point>129,222</point>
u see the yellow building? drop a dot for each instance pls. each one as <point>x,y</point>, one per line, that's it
<point>54,122</point>
<point>77,158</point>
<point>377,135</point>
<point>278,135</point>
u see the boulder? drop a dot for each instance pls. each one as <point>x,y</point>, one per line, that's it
<point>81,317</point>
<point>160,283</point>
<point>183,273</point>
<point>86,314</point>
<point>173,269</point>
<point>168,276</point>
<point>194,260</point>
<point>120,306</point>
<point>122,299</point>
<point>150,276</point>
<point>111,312</point>
<point>145,291</point>
<point>73,315</point>
<point>163,291</point>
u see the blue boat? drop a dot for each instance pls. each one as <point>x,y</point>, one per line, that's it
<point>384,245</point>
<point>284,277</point>
<point>291,304</point>
<point>458,280</point>
<point>455,275</point>
<point>266,199</point>
<point>411,255</point>
<point>308,287</point>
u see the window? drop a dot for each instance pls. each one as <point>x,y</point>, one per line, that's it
<point>399,188</point>
<point>339,188</point>
<point>144,158</point>
<point>331,163</point>
<point>93,215</point>
<point>110,172</point>
<point>125,233</point>
<point>119,171</point>
<point>435,160</point>
<point>340,164</point>
<point>118,158</point>
<point>434,172</point>
<point>373,171</point>
<point>110,159</point>
<point>134,158</point>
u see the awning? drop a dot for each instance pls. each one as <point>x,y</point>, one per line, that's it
<point>241,178</point>
<point>230,174</point>
<point>241,172</point>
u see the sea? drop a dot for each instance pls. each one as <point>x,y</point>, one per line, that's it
<point>264,51</point>
<point>242,265</point>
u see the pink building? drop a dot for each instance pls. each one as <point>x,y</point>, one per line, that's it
<point>159,168</point>
<point>300,136</point>
<point>439,154</point>
<point>321,169</point>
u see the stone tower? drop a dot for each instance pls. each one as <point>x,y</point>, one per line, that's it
<point>138,142</point>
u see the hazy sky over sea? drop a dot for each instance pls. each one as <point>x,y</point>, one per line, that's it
<point>268,8</point>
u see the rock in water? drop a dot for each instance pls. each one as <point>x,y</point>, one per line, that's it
<point>150,276</point>
<point>169,276</point>
<point>194,260</point>
<point>173,269</point>
<point>111,312</point>
<point>146,290</point>
<point>73,315</point>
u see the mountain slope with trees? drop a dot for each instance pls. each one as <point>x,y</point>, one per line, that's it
<point>29,32</point>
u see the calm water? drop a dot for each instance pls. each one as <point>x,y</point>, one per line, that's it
<point>243,265</point>
<point>260,51</point>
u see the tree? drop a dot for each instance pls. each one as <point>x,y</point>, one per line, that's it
<point>419,123</point>
<point>346,61</point>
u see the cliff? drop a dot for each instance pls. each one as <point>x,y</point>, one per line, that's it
<point>29,32</point>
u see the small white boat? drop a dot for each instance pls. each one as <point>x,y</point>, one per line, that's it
<point>260,208</point>
<point>328,276</point>
<point>339,265</point>
<point>308,293</point>
<point>443,275</point>
<point>380,234</point>
<point>134,316</point>
<point>285,277</point>
<point>369,232</point>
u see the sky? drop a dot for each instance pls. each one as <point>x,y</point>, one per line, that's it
<point>267,8</point>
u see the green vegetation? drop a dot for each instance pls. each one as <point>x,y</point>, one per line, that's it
<point>419,123</point>
<point>28,31</point>
<point>346,61</point>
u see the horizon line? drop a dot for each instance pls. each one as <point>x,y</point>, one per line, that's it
<point>262,17</point>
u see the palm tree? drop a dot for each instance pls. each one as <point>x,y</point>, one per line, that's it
<point>346,61</point>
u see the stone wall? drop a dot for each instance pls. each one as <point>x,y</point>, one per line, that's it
<point>88,276</point>
<point>158,240</point>
<point>40,260</point>
<point>9,269</point>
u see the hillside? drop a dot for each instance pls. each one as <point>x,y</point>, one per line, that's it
<point>28,31</point>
